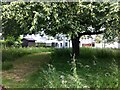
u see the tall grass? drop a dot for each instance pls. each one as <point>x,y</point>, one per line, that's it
<point>52,78</point>
<point>89,53</point>
<point>95,68</point>
<point>97,52</point>
<point>11,54</point>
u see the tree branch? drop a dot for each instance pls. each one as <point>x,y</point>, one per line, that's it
<point>90,33</point>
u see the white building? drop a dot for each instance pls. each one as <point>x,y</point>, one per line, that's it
<point>118,45</point>
<point>87,42</point>
<point>50,41</point>
<point>64,42</point>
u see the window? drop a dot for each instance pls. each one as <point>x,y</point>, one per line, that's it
<point>61,44</point>
<point>56,44</point>
<point>66,44</point>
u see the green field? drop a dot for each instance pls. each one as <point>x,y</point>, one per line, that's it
<point>54,68</point>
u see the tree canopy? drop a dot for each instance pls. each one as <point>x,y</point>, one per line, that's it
<point>71,18</point>
<point>68,18</point>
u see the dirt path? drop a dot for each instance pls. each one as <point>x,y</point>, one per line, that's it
<point>26,65</point>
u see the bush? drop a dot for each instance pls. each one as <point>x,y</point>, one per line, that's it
<point>3,43</point>
<point>10,41</point>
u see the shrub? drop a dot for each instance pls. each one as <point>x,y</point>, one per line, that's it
<point>3,43</point>
<point>10,41</point>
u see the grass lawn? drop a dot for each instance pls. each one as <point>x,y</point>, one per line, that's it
<point>53,68</point>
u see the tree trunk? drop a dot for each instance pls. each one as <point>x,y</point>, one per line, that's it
<point>75,47</point>
<point>119,40</point>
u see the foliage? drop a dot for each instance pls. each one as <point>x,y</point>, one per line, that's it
<point>74,19</point>
<point>3,43</point>
<point>52,18</point>
<point>113,27</point>
<point>20,18</point>
<point>98,39</point>
<point>10,41</point>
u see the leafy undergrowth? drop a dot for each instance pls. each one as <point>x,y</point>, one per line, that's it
<point>95,68</point>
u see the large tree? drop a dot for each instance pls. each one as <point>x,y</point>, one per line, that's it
<point>74,19</point>
<point>83,18</point>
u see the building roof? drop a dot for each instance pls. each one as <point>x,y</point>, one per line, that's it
<point>52,41</point>
<point>29,39</point>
